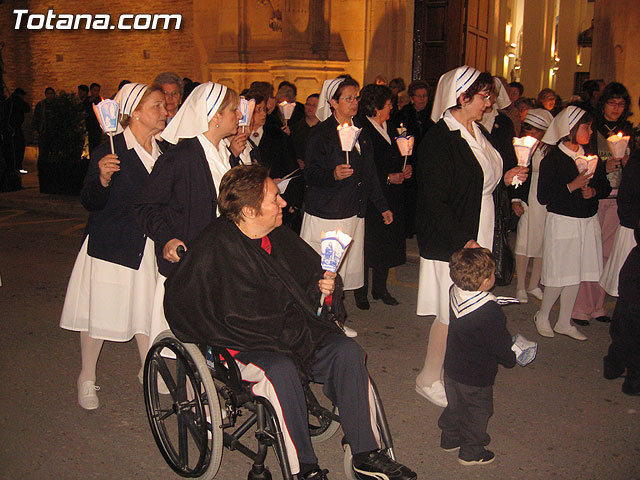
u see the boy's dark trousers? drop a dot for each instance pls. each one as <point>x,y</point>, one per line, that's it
<point>624,351</point>
<point>464,420</point>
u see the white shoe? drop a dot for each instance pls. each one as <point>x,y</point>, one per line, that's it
<point>349,332</point>
<point>87,397</point>
<point>435,393</point>
<point>521,295</point>
<point>572,332</point>
<point>536,292</point>
<point>543,327</point>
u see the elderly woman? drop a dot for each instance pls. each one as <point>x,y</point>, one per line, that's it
<point>110,292</point>
<point>384,245</point>
<point>264,307</point>
<point>612,112</point>
<point>458,170</point>
<point>337,191</point>
<point>531,213</point>
<point>180,198</point>
<point>173,89</point>
<point>572,246</point>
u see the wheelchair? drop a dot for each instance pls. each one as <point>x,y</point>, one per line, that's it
<point>209,408</point>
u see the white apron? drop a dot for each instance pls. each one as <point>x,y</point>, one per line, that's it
<point>531,223</point>
<point>572,250</point>
<point>623,243</point>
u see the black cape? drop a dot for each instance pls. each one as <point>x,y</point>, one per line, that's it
<point>227,291</point>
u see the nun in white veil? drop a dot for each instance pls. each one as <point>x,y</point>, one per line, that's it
<point>180,199</point>
<point>111,289</point>
<point>458,169</point>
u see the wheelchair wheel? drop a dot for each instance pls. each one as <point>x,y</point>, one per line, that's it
<point>186,423</point>
<point>321,427</point>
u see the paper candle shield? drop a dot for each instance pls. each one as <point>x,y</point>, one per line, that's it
<point>587,164</point>
<point>348,136</point>
<point>523,147</point>
<point>405,145</point>
<point>618,145</point>
<point>286,109</point>
<point>402,131</point>
<point>246,109</point>
<point>107,114</point>
<point>524,349</point>
<point>333,245</point>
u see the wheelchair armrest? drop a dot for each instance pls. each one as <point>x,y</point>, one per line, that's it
<point>225,370</point>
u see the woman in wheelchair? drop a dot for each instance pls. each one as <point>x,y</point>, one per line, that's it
<point>253,286</point>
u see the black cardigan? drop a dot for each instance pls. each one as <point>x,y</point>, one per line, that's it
<point>326,197</point>
<point>450,183</point>
<point>179,200</point>
<point>629,193</point>
<point>557,170</point>
<point>114,233</point>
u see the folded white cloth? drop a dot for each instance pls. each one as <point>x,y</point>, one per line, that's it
<point>450,86</point>
<point>562,124</point>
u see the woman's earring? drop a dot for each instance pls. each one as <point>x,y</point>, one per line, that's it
<point>217,126</point>
<point>137,118</point>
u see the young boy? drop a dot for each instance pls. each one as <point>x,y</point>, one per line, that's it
<point>478,340</point>
<point>624,352</point>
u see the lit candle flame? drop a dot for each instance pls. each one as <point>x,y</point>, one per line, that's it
<point>620,134</point>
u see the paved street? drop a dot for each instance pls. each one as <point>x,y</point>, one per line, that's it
<point>557,418</point>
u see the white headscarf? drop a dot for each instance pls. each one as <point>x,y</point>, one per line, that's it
<point>539,118</point>
<point>450,86</point>
<point>128,97</point>
<point>502,101</point>
<point>562,124</point>
<point>329,88</point>
<point>196,112</point>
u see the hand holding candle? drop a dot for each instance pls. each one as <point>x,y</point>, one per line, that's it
<point>618,144</point>
<point>587,164</point>
<point>246,108</point>
<point>405,145</point>
<point>286,109</point>
<point>107,114</point>
<point>524,147</point>
<point>333,246</point>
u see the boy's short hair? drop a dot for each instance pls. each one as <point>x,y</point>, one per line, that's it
<point>470,266</point>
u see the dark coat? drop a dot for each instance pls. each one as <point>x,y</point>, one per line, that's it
<point>450,183</point>
<point>229,292</point>
<point>557,170</point>
<point>326,197</point>
<point>629,193</point>
<point>385,245</point>
<point>114,233</point>
<point>179,200</point>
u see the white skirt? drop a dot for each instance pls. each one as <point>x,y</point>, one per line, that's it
<point>110,301</point>
<point>352,267</point>
<point>572,250</point>
<point>623,243</point>
<point>433,289</point>
<point>531,224</point>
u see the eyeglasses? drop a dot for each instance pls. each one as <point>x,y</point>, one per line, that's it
<point>420,96</point>
<point>350,99</point>
<point>614,104</point>
<point>171,94</point>
<point>486,98</point>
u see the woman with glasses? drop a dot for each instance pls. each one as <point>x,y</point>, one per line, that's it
<point>337,189</point>
<point>457,172</point>
<point>612,111</point>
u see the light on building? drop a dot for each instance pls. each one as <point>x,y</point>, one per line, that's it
<point>507,32</point>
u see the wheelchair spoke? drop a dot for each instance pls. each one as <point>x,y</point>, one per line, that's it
<point>165,373</point>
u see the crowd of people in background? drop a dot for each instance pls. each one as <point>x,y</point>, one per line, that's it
<point>178,139</point>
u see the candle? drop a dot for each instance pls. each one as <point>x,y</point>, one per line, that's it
<point>618,144</point>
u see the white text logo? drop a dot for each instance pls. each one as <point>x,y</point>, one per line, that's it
<point>98,21</point>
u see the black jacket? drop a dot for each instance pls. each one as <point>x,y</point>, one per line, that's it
<point>179,200</point>
<point>114,233</point>
<point>326,197</point>
<point>629,193</point>
<point>556,171</point>
<point>450,183</point>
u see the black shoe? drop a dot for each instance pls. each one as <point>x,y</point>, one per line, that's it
<point>487,457</point>
<point>603,319</point>
<point>611,371</point>
<point>386,297</point>
<point>315,475</point>
<point>378,466</point>
<point>578,321</point>
<point>631,388</point>
<point>362,304</point>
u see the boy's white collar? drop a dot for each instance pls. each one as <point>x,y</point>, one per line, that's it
<point>464,302</point>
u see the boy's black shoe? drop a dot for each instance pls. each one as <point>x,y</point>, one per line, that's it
<point>378,466</point>
<point>631,388</point>
<point>579,321</point>
<point>611,371</point>
<point>316,475</point>
<point>487,457</point>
